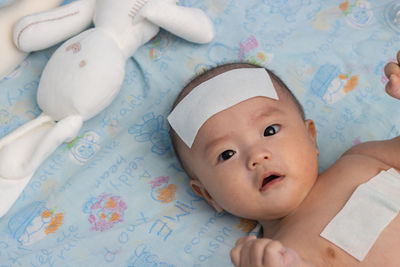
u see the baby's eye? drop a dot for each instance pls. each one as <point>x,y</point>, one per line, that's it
<point>227,154</point>
<point>271,130</point>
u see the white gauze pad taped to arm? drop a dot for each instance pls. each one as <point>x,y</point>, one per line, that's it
<point>217,94</point>
<point>371,207</point>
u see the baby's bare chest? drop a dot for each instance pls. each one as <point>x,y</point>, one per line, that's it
<point>312,247</point>
<point>302,230</point>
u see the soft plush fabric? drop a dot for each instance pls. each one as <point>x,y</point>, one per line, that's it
<point>40,31</point>
<point>116,195</point>
<point>10,56</point>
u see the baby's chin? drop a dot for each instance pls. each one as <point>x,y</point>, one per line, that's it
<point>279,213</point>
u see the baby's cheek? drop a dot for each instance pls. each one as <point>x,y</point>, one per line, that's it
<point>231,199</point>
<point>309,158</point>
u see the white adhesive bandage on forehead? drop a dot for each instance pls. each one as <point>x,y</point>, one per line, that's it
<point>215,95</point>
<point>371,207</point>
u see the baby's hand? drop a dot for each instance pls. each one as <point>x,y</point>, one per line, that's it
<point>392,71</point>
<point>252,252</point>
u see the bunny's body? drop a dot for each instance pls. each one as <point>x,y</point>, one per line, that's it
<point>82,69</point>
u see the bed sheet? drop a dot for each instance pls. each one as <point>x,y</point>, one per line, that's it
<point>117,196</point>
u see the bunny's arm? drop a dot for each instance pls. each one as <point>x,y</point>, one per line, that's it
<point>186,22</point>
<point>41,30</point>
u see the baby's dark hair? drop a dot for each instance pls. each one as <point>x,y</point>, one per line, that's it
<point>211,73</point>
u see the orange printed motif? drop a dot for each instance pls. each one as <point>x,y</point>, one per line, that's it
<point>159,44</point>
<point>55,223</point>
<point>332,85</point>
<point>351,84</point>
<point>162,191</point>
<point>35,222</point>
<point>46,214</point>
<point>110,203</point>
<point>105,211</point>
<point>114,217</point>
<point>343,6</point>
<point>155,54</point>
<point>359,14</point>
<point>246,225</point>
<point>167,193</point>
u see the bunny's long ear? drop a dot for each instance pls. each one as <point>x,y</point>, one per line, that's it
<point>44,29</point>
<point>10,56</point>
<point>186,22</point>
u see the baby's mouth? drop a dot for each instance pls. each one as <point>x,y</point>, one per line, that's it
<point>269,180</point>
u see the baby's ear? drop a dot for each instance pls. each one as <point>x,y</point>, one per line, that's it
<point>199,189</point>
<point>312,130</point>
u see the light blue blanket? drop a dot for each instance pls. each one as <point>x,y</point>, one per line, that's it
<point>116,195</point>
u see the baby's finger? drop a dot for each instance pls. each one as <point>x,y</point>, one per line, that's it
<point>257,250</point>
<point>398,57</point>
<point>247,253</point>
<point>245,239</point>
<point>393,86</point>
<point>235,255</point>
<point>273,254</point>
<point>392,68</point>
<point>236,251</point>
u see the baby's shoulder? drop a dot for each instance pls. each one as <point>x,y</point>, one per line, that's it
<point>361,161</point>
<point>355,167</point>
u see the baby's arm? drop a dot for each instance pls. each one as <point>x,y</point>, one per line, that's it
<point>387,151</point>
<point>252,252</point>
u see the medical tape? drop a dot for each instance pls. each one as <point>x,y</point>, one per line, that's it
<point>371,207</point>
<point>215,95</point>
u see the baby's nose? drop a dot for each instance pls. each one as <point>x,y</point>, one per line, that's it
<point>257,157</point>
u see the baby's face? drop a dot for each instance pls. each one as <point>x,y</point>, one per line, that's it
<point>257,159</point>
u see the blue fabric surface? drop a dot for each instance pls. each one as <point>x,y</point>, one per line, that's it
<point>116,195</point>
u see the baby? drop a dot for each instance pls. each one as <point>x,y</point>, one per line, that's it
<point>255,155</point>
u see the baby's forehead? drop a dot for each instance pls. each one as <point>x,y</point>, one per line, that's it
<point>218,94</point>
<point>246,113</point>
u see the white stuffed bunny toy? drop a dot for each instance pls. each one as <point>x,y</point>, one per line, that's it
<point>9,14</point>
<point>85,73</point>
